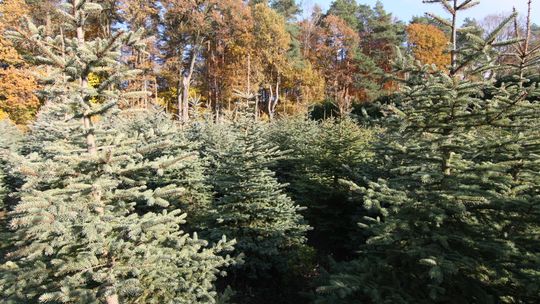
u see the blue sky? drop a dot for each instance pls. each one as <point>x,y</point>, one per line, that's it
<point>405,9</point>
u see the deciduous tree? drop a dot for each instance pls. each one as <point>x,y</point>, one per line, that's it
<point>272,40</point>
<point>17,84</point>
<point>429,44</point>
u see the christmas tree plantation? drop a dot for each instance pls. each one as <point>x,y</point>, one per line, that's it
<point>195,162</point>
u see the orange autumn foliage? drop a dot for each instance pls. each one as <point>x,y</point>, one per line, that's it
<point>11,11</point>
<point>332,47</point>
<point>17,97</point>
<point>429,44</point>
<point>17,84</point>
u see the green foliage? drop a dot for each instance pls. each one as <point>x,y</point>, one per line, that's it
<point>10,136</point>
<point>91,226</point>
<point>288,8</point>
<point>98,218</point>
<point>71,60</point>
<point>368,77</point>
<point>380,35</point>
<point>470,27</point>
<point>182,165</point>
<point>322,154</point>
<point>436,202</point>
<point>456,217</point>
<point>346,10</point>
<point>384,35</point>
<point>250,204</point>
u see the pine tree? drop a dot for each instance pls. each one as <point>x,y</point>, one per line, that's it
<point>346,10</point>
<point>94,222</point>
<point>287,8</point>
<point>381,32</point>
<point>378,35</point>
<point>456,218</point>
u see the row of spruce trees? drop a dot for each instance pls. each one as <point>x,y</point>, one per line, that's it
<point>434,199</point>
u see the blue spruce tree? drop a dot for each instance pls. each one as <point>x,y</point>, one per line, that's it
<point>95,223</point>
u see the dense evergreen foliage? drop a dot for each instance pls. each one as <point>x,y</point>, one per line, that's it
<point>322,154</point>
<point>184,164</point>
<point>250,204</point>
<point>455,218</point>
<point>95,221</point>
<point>8,142</point>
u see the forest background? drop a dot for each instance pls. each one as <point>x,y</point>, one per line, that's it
<point>213,53</point>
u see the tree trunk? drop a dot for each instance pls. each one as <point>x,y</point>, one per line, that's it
<point>186,84</point>
<point>179,93</point>
<point>256,106</point>
<point>269,103</point>
<point>249,74</point>
<point>185,97</point>
<point>48,24</point>
<point>446,166</point>
<point>523,47</point>
<point>275,100</point>
<point>156,98</point>
<point>80,34</point>
<point>145,84</point>
<point>454,39</point>
<point>90,136</point>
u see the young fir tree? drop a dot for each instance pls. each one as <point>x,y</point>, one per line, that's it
<point>250,204</point>
<point>94,223</point>
<point>155,128</point>
<point>322,154</point>
<point>457,218</point>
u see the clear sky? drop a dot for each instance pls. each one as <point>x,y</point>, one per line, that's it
<point>405,9</point>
